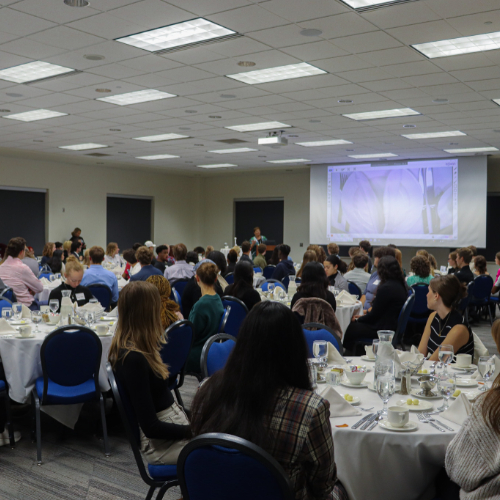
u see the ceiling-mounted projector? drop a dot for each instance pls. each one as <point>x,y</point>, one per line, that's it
<point>273,139</point>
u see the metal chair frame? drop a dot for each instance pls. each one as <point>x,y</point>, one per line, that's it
<point>206,349</point>
<point>320,326</point>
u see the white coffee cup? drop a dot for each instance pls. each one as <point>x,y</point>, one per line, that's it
<point>463,360</point>
<point>25,331</point>
<point>369,351</point>
<point>397,416</point>
<point>101,329</point>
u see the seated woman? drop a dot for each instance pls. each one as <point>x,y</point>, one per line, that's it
<point>132,267</point>
<point>314,284</point>
<point>55,262</point>
<point>480,266</point>
<point>421,269</point>
<point>135,357</point>
<point>446,325</point>
<point>48,251</point>
<point>309,256</point>
<point>205,314</point>
<point>112,255</point>
<point>386,306</point>
<point>242,288</point>
<point>334,266</point>
<point>452,262</point>
<point>427,255</point>
<point>472,458</point>
<point>192,258</point>
<point>232,258</point>
<point>273,406</point>
<point>73,276</point>
<point>220,261</point>
<point>170,310</point>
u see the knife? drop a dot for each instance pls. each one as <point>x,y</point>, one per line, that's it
<point>364,419</point>
<point>434,425</point>
<point>373,425</point>
<point>369,422</point>
<point>441,424</point>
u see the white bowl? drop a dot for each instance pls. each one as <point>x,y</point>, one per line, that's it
<point>355,378</point>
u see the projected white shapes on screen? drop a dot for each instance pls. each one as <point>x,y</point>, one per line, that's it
<point>403,203</point>
<point>445,209</point>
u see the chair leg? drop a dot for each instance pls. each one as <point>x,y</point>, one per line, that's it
<point>489,312</point>
<point>38,430</point>
<point>104,427</point>
<point>8,422</point>
<point>151,490</point>
<point>166,487</point>
<point>179,399</point>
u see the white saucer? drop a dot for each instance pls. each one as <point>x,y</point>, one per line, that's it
<point>355,400</point>
<point>354,386</point>
<point>20,322</point>
<point>105,335</point>
<point>466,382</point>
<point>108,318</point>
<point>410,426</point>
<point>366,358</point>
<point>28,337</point>
<point>419,396</point>
<point>422,405</point>
<point>462,368</point>
<point>469,395</point>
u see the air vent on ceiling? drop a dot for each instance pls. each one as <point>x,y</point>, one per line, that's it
<point>231,141</point>
<point>97,154</point>
<point>197,44</point>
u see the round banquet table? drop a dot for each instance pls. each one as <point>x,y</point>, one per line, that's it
<point>385,465</point>
<point>22,366</point>
<point>344,314</point>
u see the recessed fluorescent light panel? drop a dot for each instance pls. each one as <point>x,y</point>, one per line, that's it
<point>177,35</point>
<point>374,155</point>
<point>251,127</point>
<point>297,160</point>
<point>234,150</point>
<point>83,147</point>
<point>314,144</point>
<point>463,45</point>
<point>386,113</point>
<point>33,116</point>
<point>161,137</point>
<point>217,165</point>
<point>471,150</point>
<point>434,135</point>
<point>363,4</point>
<point>136,97</point>
<point>276,74</point>
<point>156,157</point>
<point>496,101</point>
<point>29,72</point>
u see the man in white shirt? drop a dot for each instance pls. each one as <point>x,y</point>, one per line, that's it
<point>358,275</point>
<point>181,269</point>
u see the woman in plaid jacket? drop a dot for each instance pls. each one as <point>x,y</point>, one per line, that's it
<point>264,395</point>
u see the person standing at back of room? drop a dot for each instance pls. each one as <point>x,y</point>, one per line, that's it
<point>256,240</point>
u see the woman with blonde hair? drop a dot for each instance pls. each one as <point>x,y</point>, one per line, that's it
<point>309,256</point>
<point>67,249</point>
<point>170,310</point>
<point>136,361</point>
<point>112,255</point>
<point>86,258</point>
<point>48,251</point>
<point>320,252</point>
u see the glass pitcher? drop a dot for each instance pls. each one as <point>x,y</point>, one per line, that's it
<point>385,349</point>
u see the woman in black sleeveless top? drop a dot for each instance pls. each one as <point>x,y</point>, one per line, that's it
<point>446,325</point>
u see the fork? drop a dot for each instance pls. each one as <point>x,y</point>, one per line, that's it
<point>427,421</point>
<point>428,416</point>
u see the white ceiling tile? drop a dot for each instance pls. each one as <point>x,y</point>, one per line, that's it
<point>475,24</point>
<point>341,64</point>
<point>449,8</point>
<point>51,101</point>
<point>185,74</point>
<point>335,27</point>
<point>20,24</point>
<point>108,26</point>
<point>295,12</point>
<point>401,95</point>
<point>392,56</point>
<point>237,47</point>
<point>424,32</point>
<point>315,50</point>
<point>298,84</point>
<point>66,38</point>
<point>390,84</point>
<point>445,90</point>
<point>464,61</point>
<point>433,79</point>
<point>89,91</point>
<point>367,42</point>
<point>483,85</point>
<point>401,15</point>
<point>281,36</point>
<point>411,69</point>
<point>116,71</point>
<point>53,10</point>
<point>195,55</point>
<point>364,75</point>
<point>7,37</point>
<point>247,19</point>
<point>208,6</point>
<point>31,48</point>
<point>150,63</point>
<point>474,75</point>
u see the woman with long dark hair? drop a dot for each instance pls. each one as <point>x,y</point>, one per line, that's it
<point>386,306</point>
<point>314,284</point>
<point>242,288</point>
<point>268,400</point>
<point>335,267</point>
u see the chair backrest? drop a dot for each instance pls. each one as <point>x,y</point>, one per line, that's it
<point>8,294</point>
<point>214,354</point>
<point>482,288</point>
<point>180,285</point>
<point>223,319</point>
<point>238,312</point>
<point>229,277</point>
<point>464,303</point>
<point>70,356</point>
<point>268,271</point>
<point>4,303</point>
<point>174,295</point>
<point>276,282</point>
<point>404,316</point>
<point>102,293</point>
<point>223,467</point>
<point>317,331</point>
<point>420,305</point>
<point>354,289</point>
<point>45,275</point>
<point>257,270</point>
<point>175,352</point>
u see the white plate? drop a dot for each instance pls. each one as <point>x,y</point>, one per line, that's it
<point>366,358</point>
<point>462,368</point>
<point>371,387</point>
<point>20,322</point>
<point>470,395</point>
<point>422,405</point>
<point>28,337</point>
<point>466,382</point>
<point>409,427</point>
<point>419,396</point>
<point>355,400</point>
<point>105,335</point>
<point>108,318</point>
<point>354,386</point>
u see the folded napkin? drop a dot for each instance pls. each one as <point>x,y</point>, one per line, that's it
<point>122,282</point>
<point>345,298</point>
<point>5,328</point>
<point>26,312</point>
<point>339,407</point>
<point>113,313</point>
<point>459,410</point>
<point>411,356</point>
<point>334,357</point>
<point>45,281</point>
<point>91,307</point>
<point>476,374</point>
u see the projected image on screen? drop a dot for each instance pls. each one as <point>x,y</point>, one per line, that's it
<point>414,201</point>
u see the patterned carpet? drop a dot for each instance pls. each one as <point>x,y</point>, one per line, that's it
<point>74,466</point>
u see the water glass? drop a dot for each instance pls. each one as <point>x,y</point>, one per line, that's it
<point>17,309</point>
<point>52,278</point>
<point>320,352</point>
<point>270,288</point>
<point>7,313</point>
<point>375,346</point>
<point>57,276</point>
<point>36,317</point>
<point>486,367</point>
<point>386,386</point>
<point>445,355</point>
<point>447,384</point>
<point>54,305</point>
<point>90,318</point>
<point>383,368</point>
<point>335,375</point>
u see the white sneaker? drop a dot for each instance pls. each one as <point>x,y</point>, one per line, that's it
<point>4,437</point>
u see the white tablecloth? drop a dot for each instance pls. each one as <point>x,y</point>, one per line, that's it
<point>345,313</point>
<point>21,361</point>
<point>385,465</point>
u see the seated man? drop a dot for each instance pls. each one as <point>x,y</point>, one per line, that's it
<point>246,250</point>
<point>76,248</point>
<point>373,283</point>
<point>144,256</point>
<point>285,266</point>
<point>260,260</point>
<point>96,274</point>
<point>358,275</point>
<point>151,246</point>
<point>19,276</point>
<point>162,260</point>
<point>181,269</point>
<point>333,249</point>
<point>464,257</point>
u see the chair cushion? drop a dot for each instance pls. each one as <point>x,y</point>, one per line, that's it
<point>2,385</point>
<point>66,395</point>
<point>163,472</point>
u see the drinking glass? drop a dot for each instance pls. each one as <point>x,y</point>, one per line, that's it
<point>7,313</point>
<point>57,276</point>
<point>383,368</point>
<point>486,367</point>
<point>282,295</point>
<point>320,352</point>
<point>90,318</point>
<point>386,386</point>
<point>36,317</point>
<point>335,375</point>
<point>93,300</point>
<point>54,305</point>
<point>375,347</point>
<point>270,288</point>
<point>52,278</point>
<point>447,384</point>
<point>17,309</point>
<point>445,355</point>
